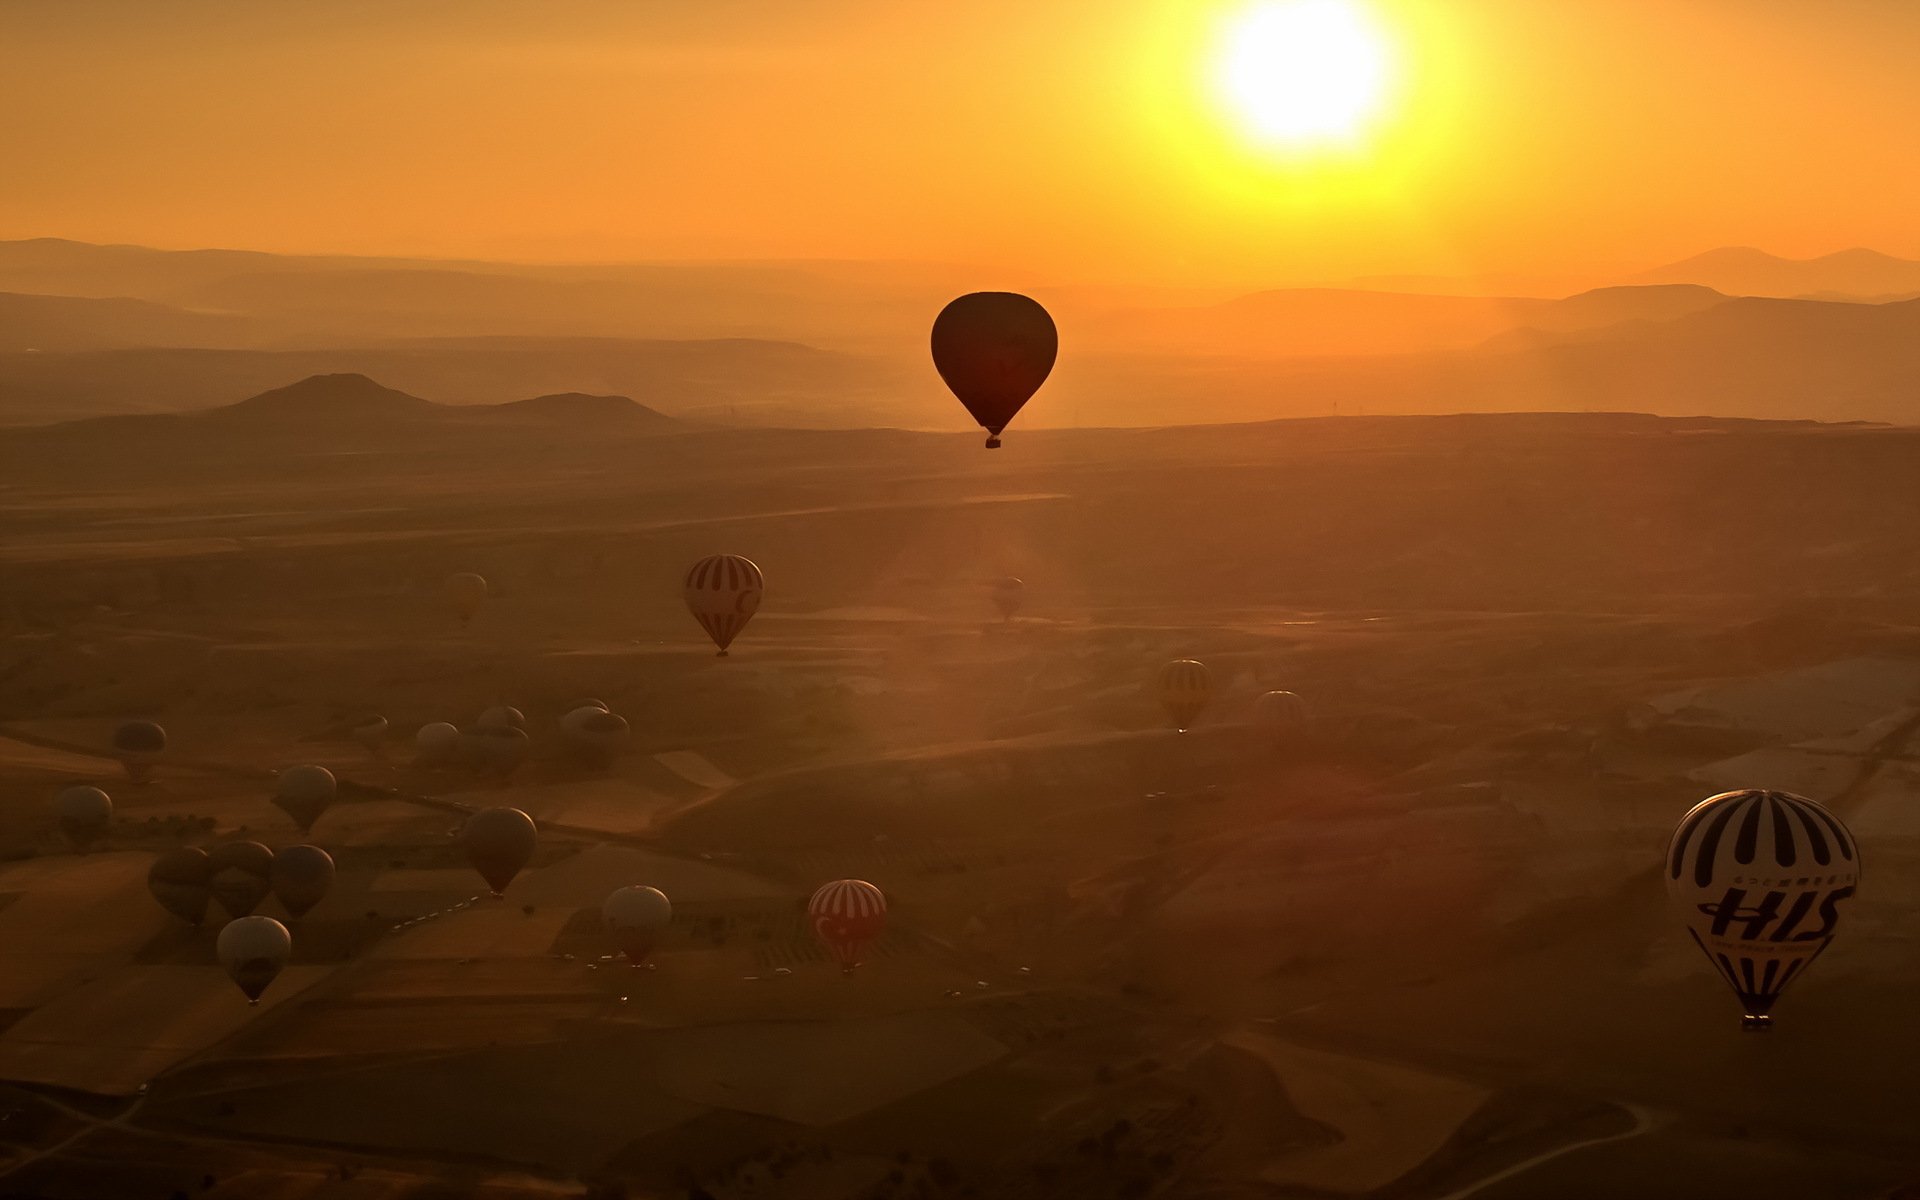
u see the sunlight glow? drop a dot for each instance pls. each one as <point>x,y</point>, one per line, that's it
<point>1304,74</point>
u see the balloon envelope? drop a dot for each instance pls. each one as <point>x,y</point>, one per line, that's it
<point>499,842</point>
<point>370,731</point>
<point>500,749</point>
<point>85,815</point>
<point>595,734</point>
<point>1283,715</point>
<point>723,592</point>
<point>1007,594</point>
<point>1758,878</point>
<point>464,593</point>
<point>501,716</point>
<point>437,742</point>
<point>1184,687</point>
<point>847,915</point>
<point>301,878</point>
<point>239,875</point>
<point>137,744</point>
<point>304,793</point>
<point>254,950</point>
<point>636,917</point>
<point>181,881</point>
<point>994,350</point>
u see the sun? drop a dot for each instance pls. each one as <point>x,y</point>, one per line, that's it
<point>1304,74</point>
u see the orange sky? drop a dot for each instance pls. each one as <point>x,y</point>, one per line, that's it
<point>1071,136</point>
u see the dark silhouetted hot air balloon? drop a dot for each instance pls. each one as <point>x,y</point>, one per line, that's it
<point>301,877</point>
<point>1007,594</point>
<point>636,917</point>
<point>499,842</point>
<point>85,815</point>
<point>137,744</point>
<point>370,731</point>
<point>1184,686</point>
<point>254,950</point>
<point>501,716</point>
<point>464,593</point>
<point>994,350</point>
<point>723,592</point>
<point>437,743</point>
<point>497,749</point>
<point>848,915</point>
<point>304,793</point>
<point>1758,877</point>
<point>1284,716</point>
<point>595,735</point>
<point>181,880</point>
<point>240,876</point>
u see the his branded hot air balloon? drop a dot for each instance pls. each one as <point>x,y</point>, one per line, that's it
<point>181,880</point>
<point>254,950</point>
<point>239,875</point>
<point>994,350</point>
<point>1007,594</point>
<point>85,815</point>
<point>723,592</point>
<point>1184,687</point>
<point>137,744</point>
<point>636,917</point>
<point>1284,716</point>
<point>595,735</point>
<point>499,842</point>
<point>301,878</point>
<point>304,793</point>
<point>437,742</point>
<point>464,593</point>
<point>848,915</point>
<point>1759,877</point>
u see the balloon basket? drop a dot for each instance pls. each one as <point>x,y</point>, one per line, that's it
<point>993,442</point>
<point>722,654</point>
<point>1756,1023</point>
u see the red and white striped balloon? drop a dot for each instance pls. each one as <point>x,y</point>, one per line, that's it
<point>723,592</point>
<point>848,916</point>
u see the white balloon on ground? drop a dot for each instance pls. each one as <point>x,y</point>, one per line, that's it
<point>636,917</point>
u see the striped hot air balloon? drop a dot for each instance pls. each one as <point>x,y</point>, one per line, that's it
<point>723,592</point>
<point>848,915</point>
<point>1184,688</point>
<point>1284,716</point>
<point>1758,878</point>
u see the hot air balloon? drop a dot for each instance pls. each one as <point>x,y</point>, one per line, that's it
<point>239,874</point>
<point>848,915</point>
<point>723,592</point>
<point>1284,716</point>
<point>370,731</point>
<point>1758,878</point>
<point>301,878</point>
<point>499,842</point>
<point>994,350</point>
<point>304,793</point>
<point>636,917</point>
<point>595,734</point>
<point>585,702</point>
<point>1185,687</point>
<point>464,593</point>
<point>1007,594</point>
<point>498,750</point>
<point>437,742</point>
<point>181,881</point>
<point>254,950</point>
<point>137,744</point>
<point>501,716</point>
<point>85,815</point>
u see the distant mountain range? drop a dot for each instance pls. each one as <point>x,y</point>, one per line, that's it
<point>87,330</point>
